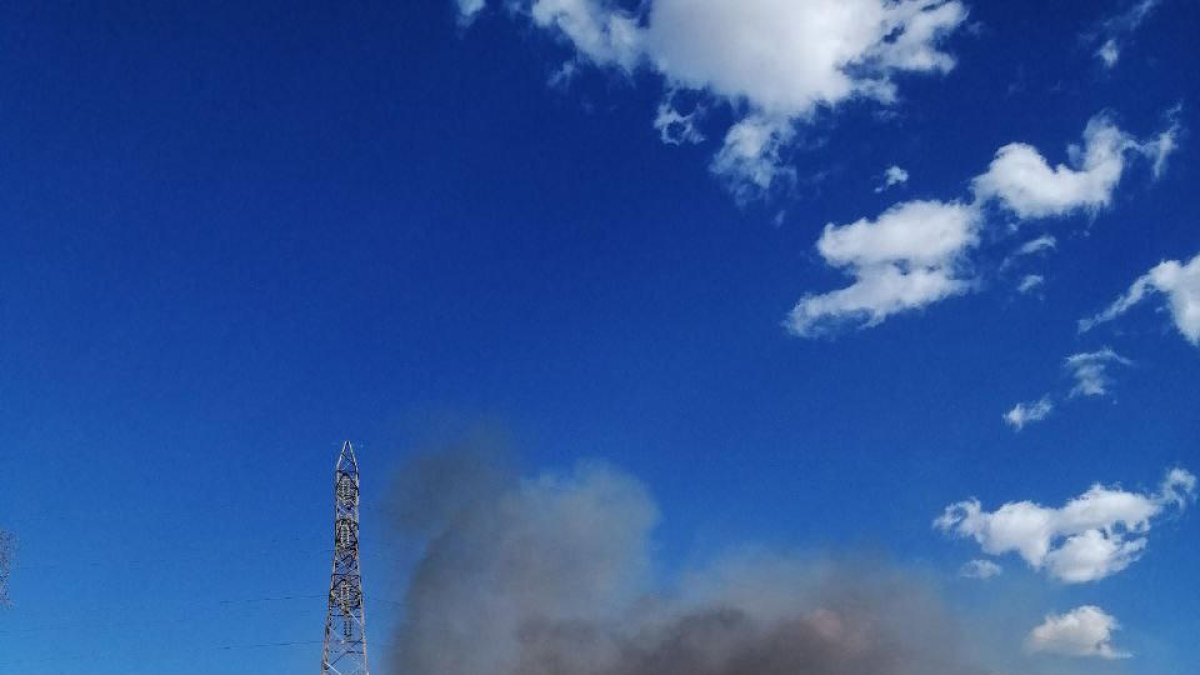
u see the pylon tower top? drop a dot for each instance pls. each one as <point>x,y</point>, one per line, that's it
<point>345,651</point>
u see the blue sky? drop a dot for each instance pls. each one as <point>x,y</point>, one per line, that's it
<point>234,234</point>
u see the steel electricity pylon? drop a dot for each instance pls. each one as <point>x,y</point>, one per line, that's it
<point>345,622</point>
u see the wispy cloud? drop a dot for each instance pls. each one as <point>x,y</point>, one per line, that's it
<point>1030,283</point>
<point>892,177</point>
<point>1109,53</point>
<point>1090,374</point>
<point>1090,370</point>
<point>1116,29</point>
<point>469,9</point>
<point>1026,413</point>
<point>1046,242</point>
<point>980,569</point>
<point>676,128</point>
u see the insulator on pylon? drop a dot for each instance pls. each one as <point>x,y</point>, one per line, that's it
<point>347,490</point>
<point>346,537</point>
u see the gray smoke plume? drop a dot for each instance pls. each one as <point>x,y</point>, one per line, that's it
<point>553,575</point>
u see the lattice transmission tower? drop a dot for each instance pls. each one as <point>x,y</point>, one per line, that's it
<point>345,622</point>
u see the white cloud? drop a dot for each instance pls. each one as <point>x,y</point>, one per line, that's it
<point>776,60</point>
<point>894,175</point>
<point>1109,53</point>
<point>1084,631</point>
<point>877,293</point>
<point>980,569</point>
<point>1030,282</point>
<point>909,257</point>
<point>917,234</point>
<point>1019,178</point>
<point>1025,183</point>
<point>782,60</point>
<point>1026,413</point>
<point>777,63</point>
<point>1179,282</point>
<point>1092,536</point>
<point>1090,370</point>
<point>787,58</point>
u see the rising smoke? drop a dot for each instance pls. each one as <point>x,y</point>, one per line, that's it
<point>553,575</point>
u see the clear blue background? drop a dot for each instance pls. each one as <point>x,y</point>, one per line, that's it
<point>233,234</point>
